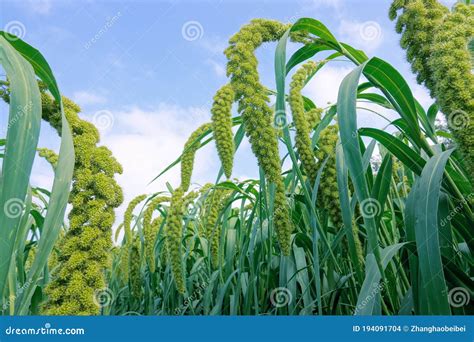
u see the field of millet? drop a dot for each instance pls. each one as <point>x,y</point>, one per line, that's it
<point>326,229</point>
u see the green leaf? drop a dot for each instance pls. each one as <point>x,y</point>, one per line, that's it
<point>62,178</point>
<point>366,303</point>
<point>427,199</point>
<point>397,147</point>
<point>347,118</point>
<point>397,91</point>
<point>20,149</point>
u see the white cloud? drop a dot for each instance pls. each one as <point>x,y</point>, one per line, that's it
<point>85,98</point>
<point>366,35</point>
<point>218,68</point>
<point>421,94</point>
<point>324,87</point>
<point>40,6</point>
<point>215,45</point>
<point>145,142</point>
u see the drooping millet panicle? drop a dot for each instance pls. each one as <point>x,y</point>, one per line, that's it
<point>302,136</point>
<point>436,43</point>
<point>95,194</point>
<point>50,156</point>
<point>401,181</point>
<point>150,238</point>
<point>216,202</point>
<point>313,117</point>
<point>418,22</point>
<point>187,158</point>
<point>148,229</point>
<point>127,217</point>
<point>179,202</point>
<point>252,100</point>
<point>135,270</point>
<point>127,220</point>
<point>174,234</point>
<point>358,244</point>
<point>450,63</point>
<point>222,127</point>
<point>328,197</point>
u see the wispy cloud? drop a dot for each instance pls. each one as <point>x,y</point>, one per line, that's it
<point>215,45</point>
<point>218,68</point>
<point>367,35</point>
<point>146,141</point>
<point>39,6</point>
<point>86,98</point>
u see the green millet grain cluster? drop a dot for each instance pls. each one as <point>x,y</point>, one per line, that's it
<point>135,285</point>
<point>436,41</point>
<point>150,238</point>
<point>50,156</point>
<point>253,100</point>
<point>127,217</point>
<point>313,117</point>
<point>149,230</point>
<point>222,127</point>
<point>454,80</point>
<point>302,126</point>
<point>127,221</point>
<point>215,203</point>
<point>174,234</point>
<point>187,158</point>
<point>174,220</point>
<point>328,197</point>
<point>94,196</point>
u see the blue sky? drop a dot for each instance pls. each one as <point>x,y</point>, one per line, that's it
<point>145,71</point>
